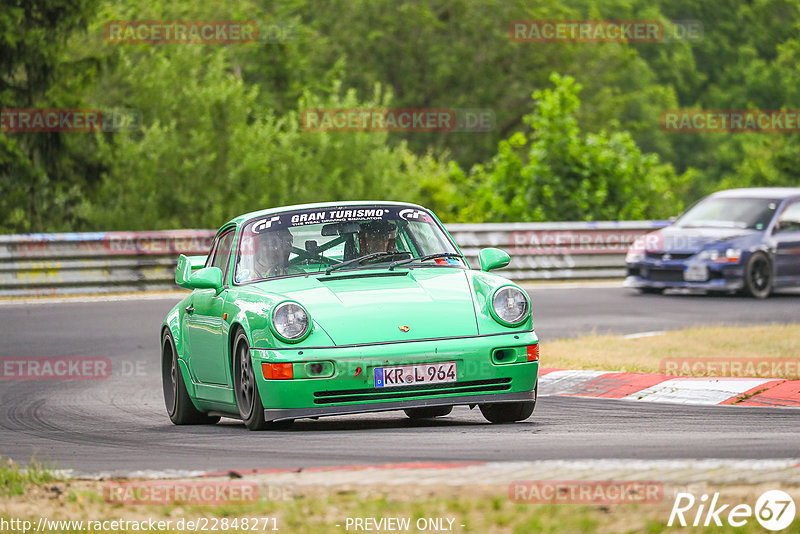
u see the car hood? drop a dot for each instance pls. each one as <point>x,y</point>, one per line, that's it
<point>368,306</point>
<point>692,240</point>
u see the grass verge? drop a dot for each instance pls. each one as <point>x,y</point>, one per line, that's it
<point>15,481</point>
<point>778,344</point>
<point>467,509</point>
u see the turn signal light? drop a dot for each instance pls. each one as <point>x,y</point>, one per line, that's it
<point>277,371</point>
<point>533,353</point>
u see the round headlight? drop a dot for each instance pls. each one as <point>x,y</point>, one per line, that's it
<point>510,305</point>
<point>634,256</point>
<point>290,321</point>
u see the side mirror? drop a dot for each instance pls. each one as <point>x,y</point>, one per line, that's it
<point>207,278</point>
<point>197,262</point>
<point>183,271</point>
<point>672,219</point>
<point>493,258</point>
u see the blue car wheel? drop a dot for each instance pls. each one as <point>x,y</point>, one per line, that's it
<point>758,276</point>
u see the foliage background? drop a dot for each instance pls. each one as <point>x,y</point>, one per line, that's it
<point>577,134</point>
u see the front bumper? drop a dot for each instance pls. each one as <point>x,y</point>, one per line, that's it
<point>490,369</point>
<point>319,411</point>
<point>671,274</point>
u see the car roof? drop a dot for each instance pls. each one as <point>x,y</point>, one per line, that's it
<point>317,205</point>
<point>759,192</point>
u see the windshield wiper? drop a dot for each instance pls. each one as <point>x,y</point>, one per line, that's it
<point>362,258</point>
<point>424,258</point>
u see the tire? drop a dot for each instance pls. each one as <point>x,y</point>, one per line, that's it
<point>758,279</point>
<point>651,290</point>
<point>508,412</point>
<point>248,400</point>
<point>428,413</point>
<point>180,408</point>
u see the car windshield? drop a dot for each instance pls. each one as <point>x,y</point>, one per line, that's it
<point>750,213</point>
<point>311,241</point>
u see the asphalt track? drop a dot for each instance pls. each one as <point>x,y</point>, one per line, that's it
<point>118,425</point>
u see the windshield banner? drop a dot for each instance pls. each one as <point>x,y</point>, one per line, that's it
<point>340,214</point>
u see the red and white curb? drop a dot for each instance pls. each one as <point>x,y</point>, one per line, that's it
<point>646,387</point>
<point>477,474</point>
<point>483,474</point>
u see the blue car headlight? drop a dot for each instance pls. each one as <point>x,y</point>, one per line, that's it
<point>634,256</point>
<point>636,250</point>
<point>290,321</point>
<point>510,306</point>
<point>730,255</point>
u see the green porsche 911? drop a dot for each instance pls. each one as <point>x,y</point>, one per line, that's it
<point>343,308</point>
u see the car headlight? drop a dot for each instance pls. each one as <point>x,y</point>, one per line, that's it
<point>290,321</point>
<point>707,255</point>
<point>634,256</point>
<point>510,305</point>
<point>731,255</point>
<point>636,250</point>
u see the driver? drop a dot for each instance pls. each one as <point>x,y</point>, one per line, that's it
<point>272,254</point>
<point>377,236</point>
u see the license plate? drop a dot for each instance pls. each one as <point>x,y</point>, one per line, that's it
<point>409,375</point>
<point>695,272</point>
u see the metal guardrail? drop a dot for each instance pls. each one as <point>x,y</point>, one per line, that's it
<point>556,251</point>
<point>103,262</point>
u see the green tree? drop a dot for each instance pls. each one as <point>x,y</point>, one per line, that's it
<point>558,173</point>
<point>209,150</point>
<point>458,54</point>
<point>42,175</point>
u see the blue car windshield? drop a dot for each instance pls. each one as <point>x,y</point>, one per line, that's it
<point>742,213</point>
<point>310,241</point>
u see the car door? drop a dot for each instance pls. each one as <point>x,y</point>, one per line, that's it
<point>205,335</point>
<point>786,238</point>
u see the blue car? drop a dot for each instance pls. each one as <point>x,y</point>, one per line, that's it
<point>745,240</point>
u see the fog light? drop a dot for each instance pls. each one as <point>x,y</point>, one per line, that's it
<point>505,356</point>
<point>277,371</point>
<point>321,369</point>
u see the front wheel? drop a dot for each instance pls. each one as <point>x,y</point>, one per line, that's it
<point>758,276</point>
<point>251,410</point>
<point>508,412</point>
<point>428,413</point>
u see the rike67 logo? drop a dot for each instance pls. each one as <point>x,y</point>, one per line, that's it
<point>774,510</point>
